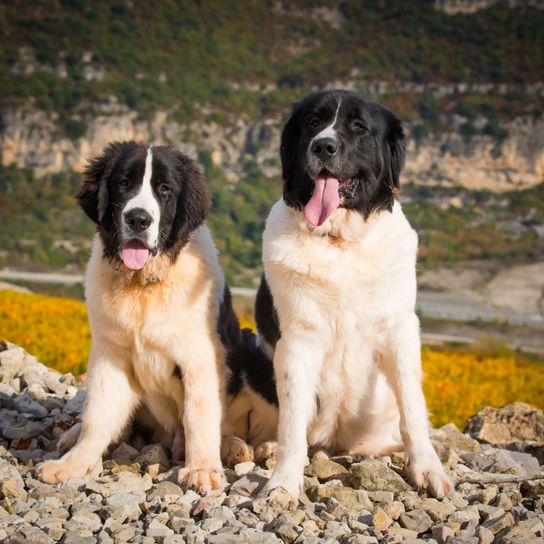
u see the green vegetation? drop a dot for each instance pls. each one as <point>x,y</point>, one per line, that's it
<point>453,224</point>
<point>182,55</point>
<point>214,59</point>
<point>483,226</point>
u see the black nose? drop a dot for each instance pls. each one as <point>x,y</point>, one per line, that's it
<point>138,219</point>
<point>325,148</point>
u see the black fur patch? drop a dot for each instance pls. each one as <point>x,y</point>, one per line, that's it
<point>266,316</point>
<point>228,326</point>
<point>252,366</point>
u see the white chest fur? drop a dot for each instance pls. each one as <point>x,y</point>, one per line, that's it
<point>155,326</point>
<point>345,283</point>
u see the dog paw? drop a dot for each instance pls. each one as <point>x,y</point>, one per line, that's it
<point>265,451</point>
<point>277,497</point>
<point>202,479</point>
<point>234,450</point>
<point>53,472</point>
<point>291,484</point>
<point>427,472</point>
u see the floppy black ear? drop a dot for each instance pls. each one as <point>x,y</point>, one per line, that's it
<point>294,193</point>
<point>194,201</point>
<point>395,151</point>
<point>289,141</point>
<point>93,195</point>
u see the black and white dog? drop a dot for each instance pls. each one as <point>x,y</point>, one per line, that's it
<point>335,308</point>
<point>164,334</point>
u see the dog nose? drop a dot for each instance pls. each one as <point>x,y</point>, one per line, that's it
<point>138,219</point>
<point>325,148</point>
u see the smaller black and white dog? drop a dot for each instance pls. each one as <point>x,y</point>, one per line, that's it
<point>164,334</point>
<point>335,308</point>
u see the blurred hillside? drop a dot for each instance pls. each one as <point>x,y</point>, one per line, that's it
<point>217,79</point>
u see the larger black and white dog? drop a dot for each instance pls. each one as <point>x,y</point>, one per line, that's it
<point>335,308</point>
<point>164,334</point>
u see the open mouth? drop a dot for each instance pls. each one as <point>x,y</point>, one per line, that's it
<point>135,254</point>
<point>328,190</point>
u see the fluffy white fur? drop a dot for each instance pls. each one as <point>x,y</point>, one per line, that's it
<point>347,366</point>
<point>143,324</point>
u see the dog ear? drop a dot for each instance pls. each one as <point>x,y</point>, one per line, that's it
<point>93,195</point>
<point>194,200</point>
<point>395,152</point>
<point>290,139</point>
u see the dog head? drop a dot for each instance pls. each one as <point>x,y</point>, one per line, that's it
<point>144,200</point>
<point>339,149</point>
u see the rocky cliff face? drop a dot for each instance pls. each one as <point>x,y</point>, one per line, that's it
<point>30,138</point>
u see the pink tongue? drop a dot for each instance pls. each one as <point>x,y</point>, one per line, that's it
<point>135,255</point>
<point>323,202</point>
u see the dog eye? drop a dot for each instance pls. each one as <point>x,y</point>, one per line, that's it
<point>163,188</point>
<point>358,126</point>
<point>314,122</point>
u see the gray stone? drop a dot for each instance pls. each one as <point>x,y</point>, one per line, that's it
<point>485,536</point>
<point>437,510</point>
<point>498,524</point>
<point>352,498</point>
<point>154,454</point>
<point>375,475</point>
<point>381,496</point>
<point>243,468</point>
<point>124,482</point>
<point>249,485</point>
<point>219,512</point>
<point>124,507</point>
<point>323,468</point>
<point>125,454</point>
<point>13,490</point>
<point>416,520</point>
<point>275,502</point>
<point>450,436</point>
<point>511,423</point>
<point>441,533</point>
<point>211,525</point>
<point>156,529</point>
<point>165,491</point>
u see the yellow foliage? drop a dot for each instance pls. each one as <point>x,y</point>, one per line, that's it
<point>53,329</point>
<point>456,384</point>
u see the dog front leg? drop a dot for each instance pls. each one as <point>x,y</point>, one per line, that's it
<point>111,398</point>
<point>297,362</point>
<point>402,365</point>
<point>202,414</point>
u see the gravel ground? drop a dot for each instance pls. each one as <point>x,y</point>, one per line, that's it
<point>133,496</point>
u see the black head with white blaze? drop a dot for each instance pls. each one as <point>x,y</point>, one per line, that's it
<point>339,149</point>
<point>145,200</point>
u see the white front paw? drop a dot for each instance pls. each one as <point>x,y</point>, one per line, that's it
<point>65,468</point>
<point>426,472</point>
<point>292,483</point>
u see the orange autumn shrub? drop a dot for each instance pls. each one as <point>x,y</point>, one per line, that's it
<point>458,384</point>
<point>53,329</point>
